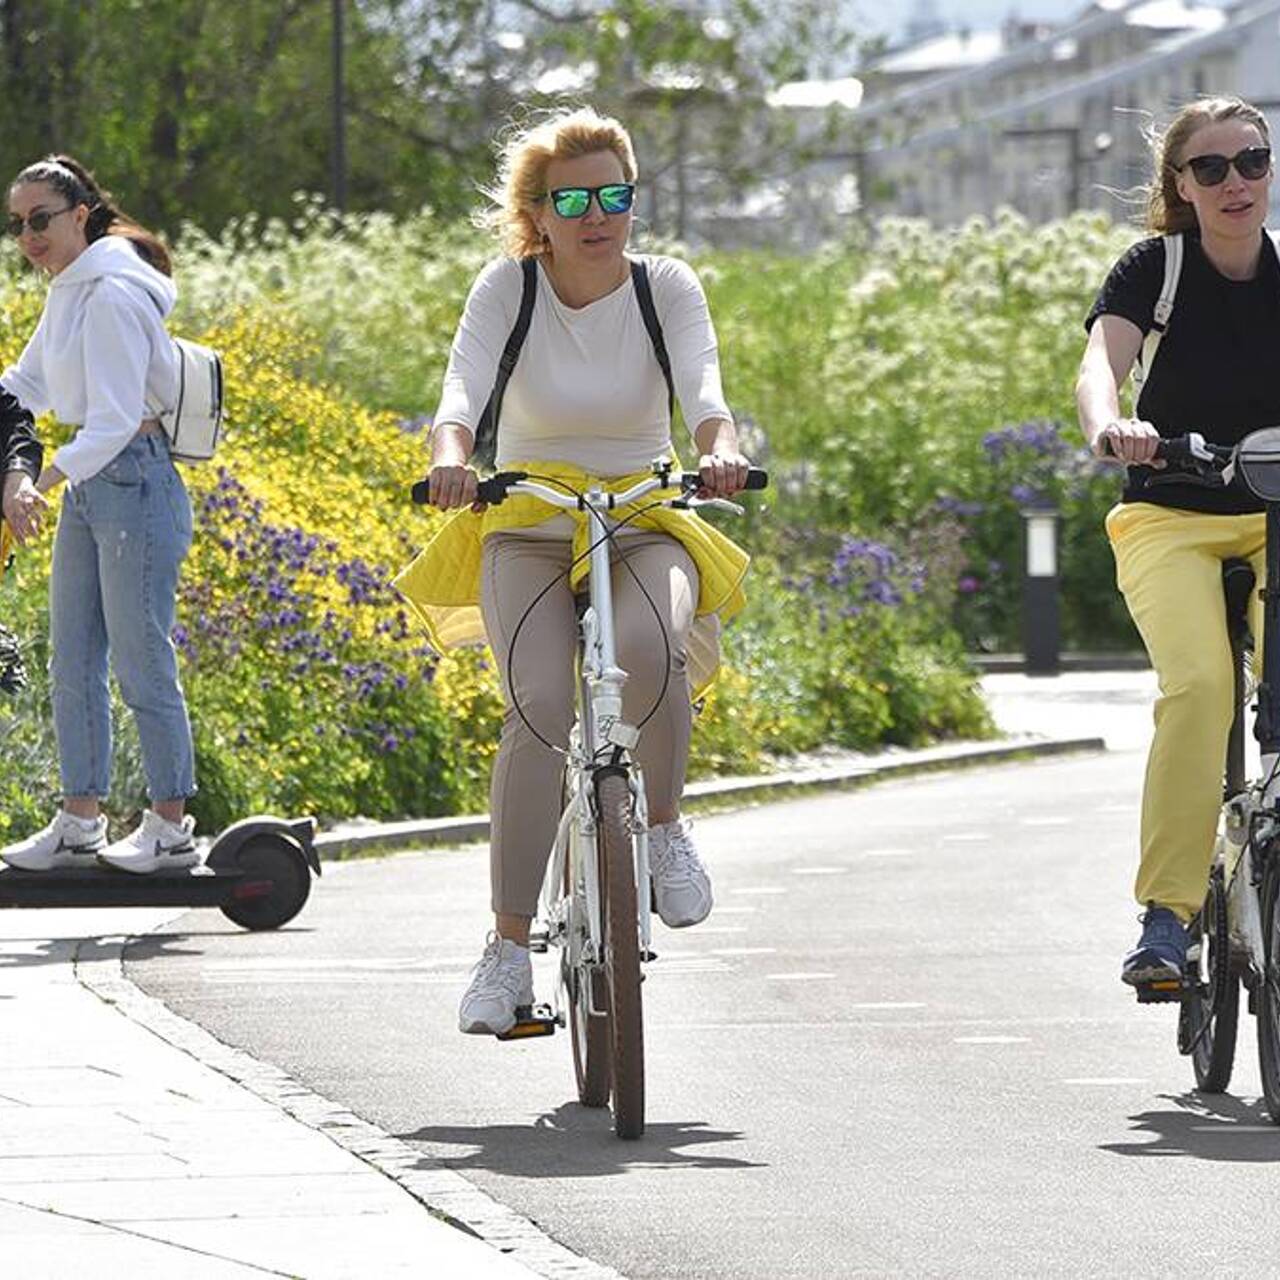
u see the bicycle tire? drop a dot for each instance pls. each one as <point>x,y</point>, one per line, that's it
<point>588,1036</point>
<point>622,953</point>
<point>1268,993</point>
<point>1213,1054</point>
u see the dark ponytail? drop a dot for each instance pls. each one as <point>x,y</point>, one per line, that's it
<point>76,184</point>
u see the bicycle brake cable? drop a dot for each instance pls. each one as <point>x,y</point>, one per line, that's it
<point>607,536</point>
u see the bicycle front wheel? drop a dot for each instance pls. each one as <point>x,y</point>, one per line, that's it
<point>1268,992</point>
<point>622,953</point>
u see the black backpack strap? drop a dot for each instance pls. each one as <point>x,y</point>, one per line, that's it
<point>644,296</point>
<point>486,443</point>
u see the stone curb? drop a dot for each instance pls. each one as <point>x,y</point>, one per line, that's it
<point>721,793</point>
<point>442,1191</point>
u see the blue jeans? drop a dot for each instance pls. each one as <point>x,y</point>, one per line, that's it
<point>122,537</point>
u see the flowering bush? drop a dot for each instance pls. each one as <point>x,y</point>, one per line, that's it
<point>882,374</point>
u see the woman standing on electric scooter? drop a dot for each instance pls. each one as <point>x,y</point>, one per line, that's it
<point>1216,373</point>
<point>100,358</point>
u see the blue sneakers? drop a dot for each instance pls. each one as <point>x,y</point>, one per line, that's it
<point>1161,953</point>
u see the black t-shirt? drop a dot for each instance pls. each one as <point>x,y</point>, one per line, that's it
<point>1218,367</point>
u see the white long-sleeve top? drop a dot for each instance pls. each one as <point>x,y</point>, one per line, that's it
<point>587,388</point>
<point>100,357</point>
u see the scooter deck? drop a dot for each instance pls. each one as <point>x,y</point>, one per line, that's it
<point>198,886</point>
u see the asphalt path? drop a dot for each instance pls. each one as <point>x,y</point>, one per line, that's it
<point>898,1047</point>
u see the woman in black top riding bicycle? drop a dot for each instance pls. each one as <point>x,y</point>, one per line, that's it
<point>1216,373</point>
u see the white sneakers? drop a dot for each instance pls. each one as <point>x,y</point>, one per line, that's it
<point>501,982</point>
<point>157,845</point>
<point>681,885</point>
<point>67,841</point>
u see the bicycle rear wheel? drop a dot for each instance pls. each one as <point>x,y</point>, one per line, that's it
<point>1268,994</point>
<point>584,990</point>
<point>1210,1014</point>
<point>622,953</point>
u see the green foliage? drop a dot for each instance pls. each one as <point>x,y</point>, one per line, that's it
<point>196,110</point>
<point>905,391</point>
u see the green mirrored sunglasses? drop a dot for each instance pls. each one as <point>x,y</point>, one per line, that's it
<point>573,202</point>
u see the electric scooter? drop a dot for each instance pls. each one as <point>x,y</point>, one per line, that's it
<point>258,871</point>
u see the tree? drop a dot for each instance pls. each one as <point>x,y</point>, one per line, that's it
<point>209,109</point>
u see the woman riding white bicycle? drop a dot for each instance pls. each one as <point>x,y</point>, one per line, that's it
<point>1216,374</point>
<point>587,398</point>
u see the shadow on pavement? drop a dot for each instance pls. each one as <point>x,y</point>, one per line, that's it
<point>575,1141</point>
<point>1206,1126</point>
<point>61,950</point>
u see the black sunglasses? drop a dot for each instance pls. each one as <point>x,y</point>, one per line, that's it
<point>613,197</point>
<point>1251,163</point>
<point>37,222</point>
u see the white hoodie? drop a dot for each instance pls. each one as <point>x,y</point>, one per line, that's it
<point>100,356</point>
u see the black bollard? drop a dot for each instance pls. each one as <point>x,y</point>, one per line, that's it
<point>1041,637</point>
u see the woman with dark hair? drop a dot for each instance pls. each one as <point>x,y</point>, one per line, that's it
<point>1216,373</point>
<point>100,358</point>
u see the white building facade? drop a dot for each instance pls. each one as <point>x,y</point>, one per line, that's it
<point>1050,121</point>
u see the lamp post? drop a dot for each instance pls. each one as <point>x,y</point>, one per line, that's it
<point>339,157</point>
<point>1040,625</point>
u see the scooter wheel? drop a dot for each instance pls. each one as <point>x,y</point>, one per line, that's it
<point>273,858</point>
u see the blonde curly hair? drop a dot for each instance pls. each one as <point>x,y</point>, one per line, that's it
<point>522,171</point>
<point>1167,211</point>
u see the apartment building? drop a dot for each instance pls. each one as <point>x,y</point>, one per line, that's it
<point>1048,121</point>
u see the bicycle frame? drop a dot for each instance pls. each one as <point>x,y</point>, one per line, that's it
<point>1251,817</point>
<point>601,738</point>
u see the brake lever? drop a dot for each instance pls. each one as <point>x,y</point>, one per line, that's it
<point>721,504</point>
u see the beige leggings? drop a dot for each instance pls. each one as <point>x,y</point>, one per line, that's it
<point>525,791</point>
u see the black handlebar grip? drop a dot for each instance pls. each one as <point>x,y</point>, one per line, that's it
<point>1177,449</point>
<point>492,490</point>
<point>756,479</point>
<point>422,492</point>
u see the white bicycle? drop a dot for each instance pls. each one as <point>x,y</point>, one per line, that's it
<point>596,894</point>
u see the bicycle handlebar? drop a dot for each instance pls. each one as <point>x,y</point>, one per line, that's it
<point>494,489</point>
<point>1191,451</point>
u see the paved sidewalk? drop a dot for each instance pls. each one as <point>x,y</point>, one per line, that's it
<point>132,1141</point>
<point>120,1152</point>
<point>1114,705</point>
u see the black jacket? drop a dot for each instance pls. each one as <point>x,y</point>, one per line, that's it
<point>19,448</point>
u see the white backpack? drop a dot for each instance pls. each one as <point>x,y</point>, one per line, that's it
<point>1173,251</point>
<point>194,424</point>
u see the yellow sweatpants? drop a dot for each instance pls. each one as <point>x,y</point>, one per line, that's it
<point>1169,567</point>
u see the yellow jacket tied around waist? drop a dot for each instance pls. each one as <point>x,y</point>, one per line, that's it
<point>442,583</point>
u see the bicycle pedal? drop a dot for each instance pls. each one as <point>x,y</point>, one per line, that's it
<point>1164,991</point>
<point>539,940</point>
<point>531,1021</point>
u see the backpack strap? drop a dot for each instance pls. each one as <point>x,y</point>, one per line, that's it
<point>486,441</point>
<point>644,296</point>
<point>1173,250</point>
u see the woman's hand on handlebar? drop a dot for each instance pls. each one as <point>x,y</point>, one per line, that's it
<point>451,485</point>
<point>723,473</point>
<point>1128,440</point>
